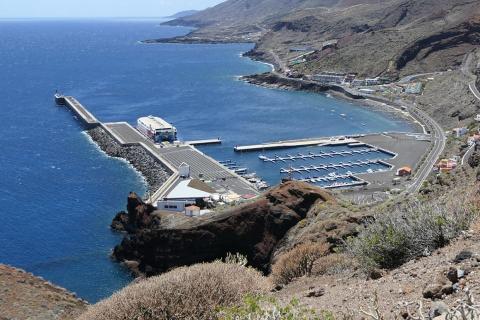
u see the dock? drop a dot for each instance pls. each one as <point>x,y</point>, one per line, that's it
<point>202,167</point>
<point>203,142</point>
<point>335,141</point>
<point>322,155</point>
<point>79,110</point>
<point>341,165</point>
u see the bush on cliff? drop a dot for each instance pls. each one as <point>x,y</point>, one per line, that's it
<point>194,292</point>
<point>266,308</point>
<point>297,262</point>
<point>412,230</point>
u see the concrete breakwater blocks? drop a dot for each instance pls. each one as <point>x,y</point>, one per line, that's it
<point>153,170</point>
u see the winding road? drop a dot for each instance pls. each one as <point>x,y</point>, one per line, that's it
<point>439,141</point>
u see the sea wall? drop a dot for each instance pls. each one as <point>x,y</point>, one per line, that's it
<point>151,168</point>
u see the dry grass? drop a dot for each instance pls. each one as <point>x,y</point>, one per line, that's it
<point>297,262</point>
<point>193,292</point>
<point>332,264</point>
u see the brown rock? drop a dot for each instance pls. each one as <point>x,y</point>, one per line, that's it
<point>253,229</point>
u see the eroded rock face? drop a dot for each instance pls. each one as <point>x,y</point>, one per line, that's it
<point>253,229</point>
<point>138,215</point>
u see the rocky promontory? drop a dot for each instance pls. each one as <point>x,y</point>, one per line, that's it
<point>254,229</point>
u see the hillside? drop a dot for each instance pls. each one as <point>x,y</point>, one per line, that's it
<point>393,37</point>
<point>24,296</point>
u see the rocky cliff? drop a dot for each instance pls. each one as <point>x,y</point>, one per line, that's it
<point>256,229</point>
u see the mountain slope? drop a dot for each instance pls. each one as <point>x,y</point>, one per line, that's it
<point>374,37</point>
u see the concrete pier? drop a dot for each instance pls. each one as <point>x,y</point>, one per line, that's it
<point>296,143</point>
<point>170,156</point>
<point>203,142</point>
<point>79,110</point>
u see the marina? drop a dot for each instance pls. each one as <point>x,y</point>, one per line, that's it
<point>331,154</point>
<point>340,165</point>
<point>330,162</point>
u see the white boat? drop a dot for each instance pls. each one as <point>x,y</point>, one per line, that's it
<point>157,129</point>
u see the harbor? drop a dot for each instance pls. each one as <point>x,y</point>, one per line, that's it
<point>366,162</point>
<point>179,162</point>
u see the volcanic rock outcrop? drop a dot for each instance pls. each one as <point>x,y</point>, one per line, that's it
<point>252,229</point>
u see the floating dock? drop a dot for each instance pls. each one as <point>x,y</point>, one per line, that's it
<point>312,155</point>
<point>335,141</point>
<point>340,165</point>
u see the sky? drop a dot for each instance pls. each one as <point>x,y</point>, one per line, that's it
<point>98,8</point>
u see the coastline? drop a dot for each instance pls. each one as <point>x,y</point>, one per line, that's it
<point>274,81</point>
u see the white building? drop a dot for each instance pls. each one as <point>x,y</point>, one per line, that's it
<point>460,132</point>
<point>192,211</point>
<point>186,193</point>
<point>184,170</point>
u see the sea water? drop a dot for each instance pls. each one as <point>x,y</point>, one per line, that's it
<point>59,192</point>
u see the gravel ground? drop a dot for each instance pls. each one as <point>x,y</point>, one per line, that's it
<point>347,292</point>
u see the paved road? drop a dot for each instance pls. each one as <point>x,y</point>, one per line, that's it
<point>414,76</point>
<point>468,154</point>
<point>474,89</point>
<point>438,140</point>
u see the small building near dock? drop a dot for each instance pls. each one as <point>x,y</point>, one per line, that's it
<point>404,171</point>
<point>192,211</point>
<point>186,193</point>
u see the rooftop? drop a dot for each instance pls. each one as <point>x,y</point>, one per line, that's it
<point>190,189</point>
<point>155,123</point>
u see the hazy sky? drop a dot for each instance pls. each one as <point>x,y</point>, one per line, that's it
<point>98,8</point>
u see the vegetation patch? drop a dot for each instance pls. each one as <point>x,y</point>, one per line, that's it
<point>411,230</point>
<point>194,292</point>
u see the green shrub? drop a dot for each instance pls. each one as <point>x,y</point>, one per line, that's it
<point>266,308</point>
<point>412,230</point>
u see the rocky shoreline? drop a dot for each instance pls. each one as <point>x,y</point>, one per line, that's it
<point>152,170</point>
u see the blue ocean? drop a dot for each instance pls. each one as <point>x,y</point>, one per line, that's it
<point>59,192</point>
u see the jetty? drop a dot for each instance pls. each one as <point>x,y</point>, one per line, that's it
<point>203,142</point>
<point>332,141</point>
<point>170,156</point>
<point>78,109</point>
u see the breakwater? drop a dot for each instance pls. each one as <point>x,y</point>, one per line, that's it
<point>153,171</point>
